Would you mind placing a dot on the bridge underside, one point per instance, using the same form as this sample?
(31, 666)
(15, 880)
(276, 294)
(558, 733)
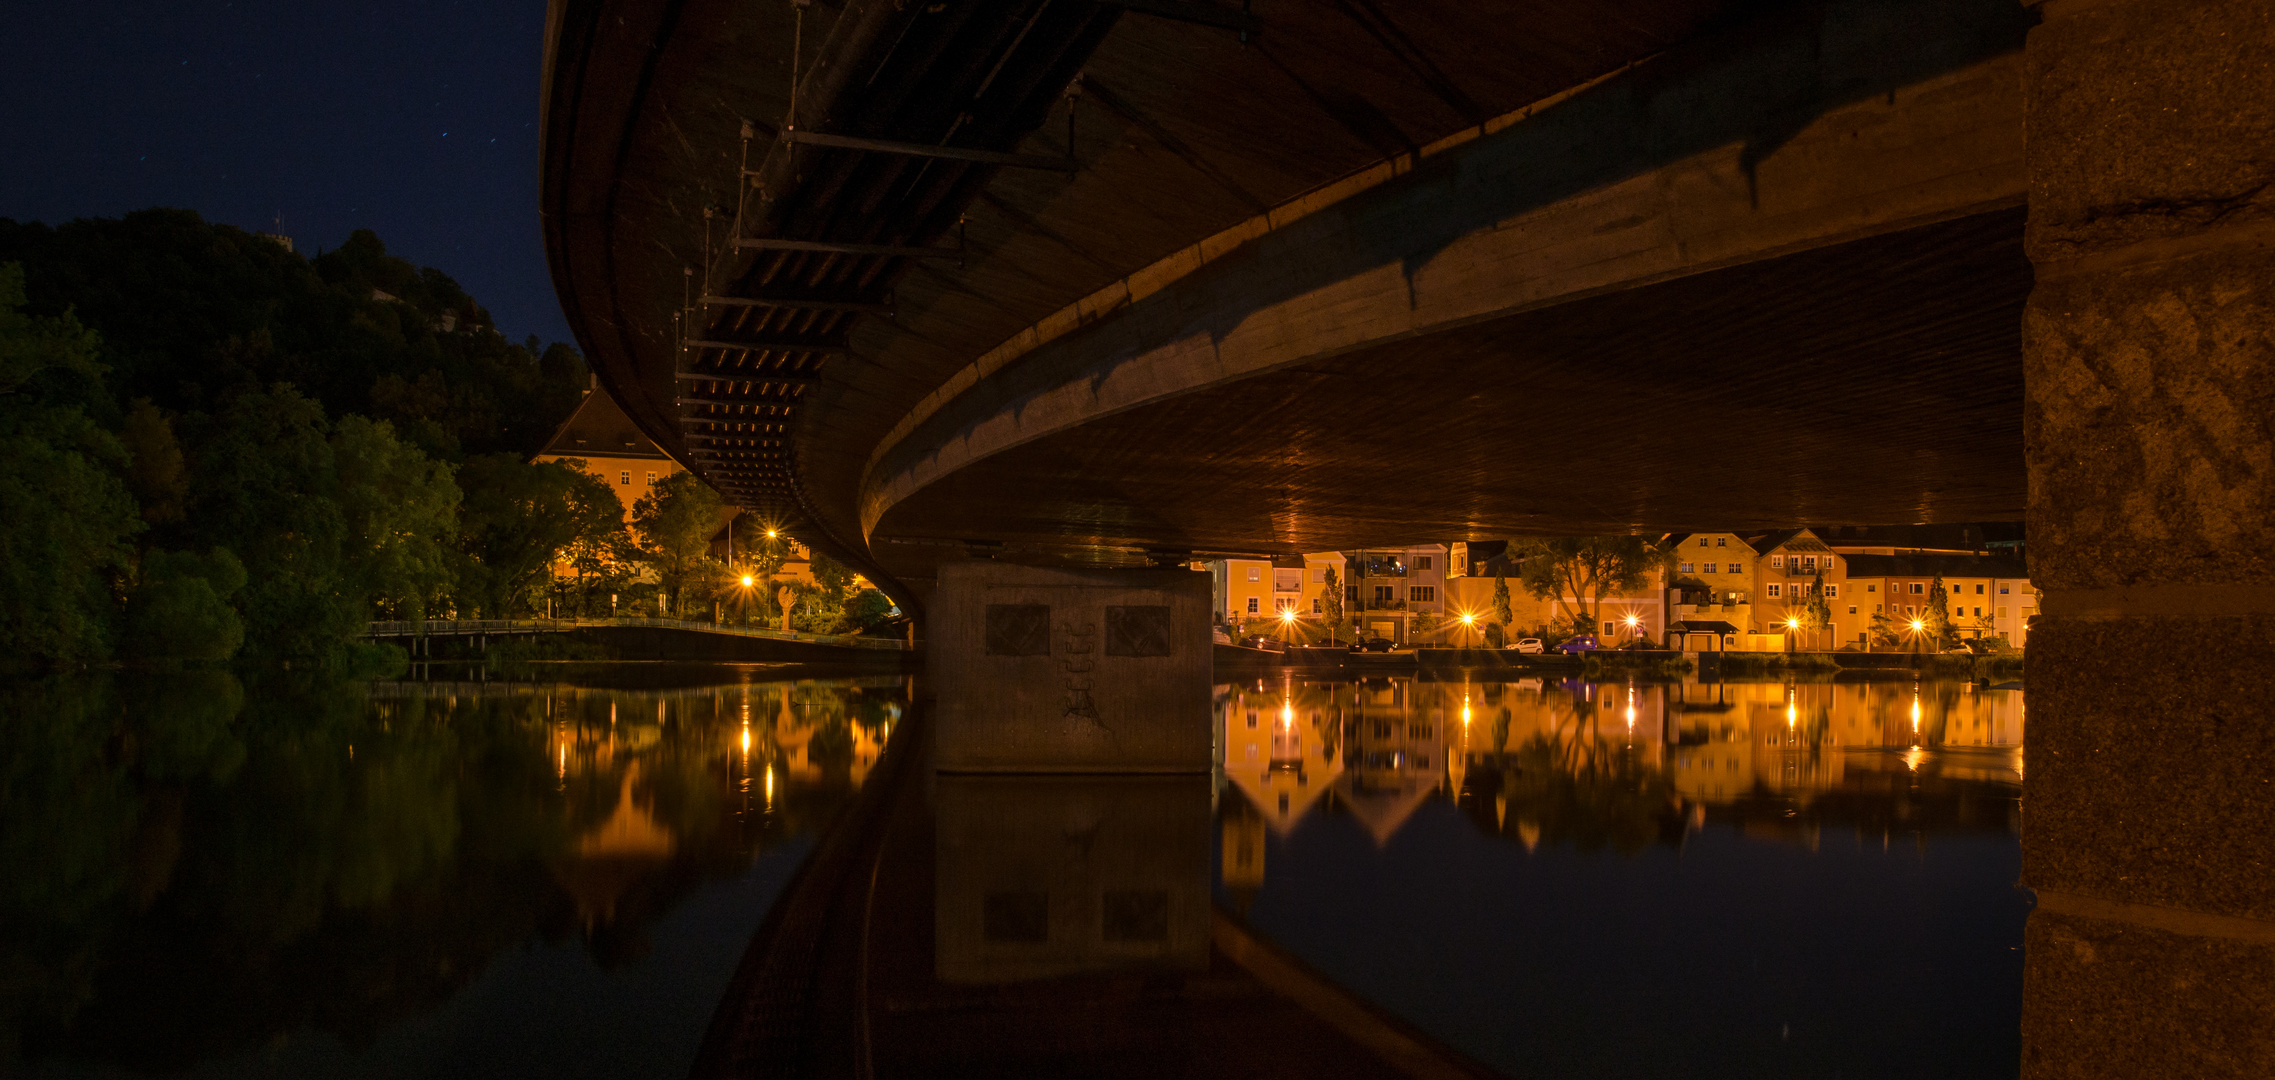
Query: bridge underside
(1872, 381)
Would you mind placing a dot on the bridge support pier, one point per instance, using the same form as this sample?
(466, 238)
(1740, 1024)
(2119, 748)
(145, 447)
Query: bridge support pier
(2149, 352)
(1072, 734)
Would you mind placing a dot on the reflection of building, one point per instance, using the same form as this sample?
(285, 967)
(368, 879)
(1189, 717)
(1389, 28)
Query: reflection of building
(1282, 748)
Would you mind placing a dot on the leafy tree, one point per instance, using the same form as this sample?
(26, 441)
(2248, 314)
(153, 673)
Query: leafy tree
(1424, 626)
(158, 474)
(180, 609)
(1816, 615)
(267, 488)
(1331, 605)
(68, 517)
(674, 523)
(1937, 616)
(867, 608)
(400, 508)
(519, 519)
(1578, 572)
(1503, 613)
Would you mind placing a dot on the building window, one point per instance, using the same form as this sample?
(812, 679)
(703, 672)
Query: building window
(1852, 609)
(1709, 568)
(1774, 589)
(1978, 588)
(1423, 593)
(1777, 562)
(2002, 590)
(1350, 594)
(1918, 588)
(1286, 603)
(1910, 610)
(1832, 591)
(1383, 594)
(625, 478)
(1702, 541)
(1872, 588)
(1254, 604)
(1684, 569)
(2002, 613)
(1255, 573)
(1808, 562)
(1421, 562)
(1610, 627)
(1721, 541)
(651, 479)
(1318, 606)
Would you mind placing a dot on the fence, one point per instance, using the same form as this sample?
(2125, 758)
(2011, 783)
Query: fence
(461, 627)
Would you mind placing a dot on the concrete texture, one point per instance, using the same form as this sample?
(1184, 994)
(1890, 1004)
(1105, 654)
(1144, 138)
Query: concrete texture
(2148, 120)
(2150, 810)
(2151, 422)
(1045, 670)
(2152, 762)
(1041, 877)
(2108, 998)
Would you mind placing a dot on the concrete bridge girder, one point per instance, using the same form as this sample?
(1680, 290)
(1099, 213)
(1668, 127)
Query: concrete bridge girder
(1555, 204)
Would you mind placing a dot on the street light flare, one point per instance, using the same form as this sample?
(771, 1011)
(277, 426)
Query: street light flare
(748, 581)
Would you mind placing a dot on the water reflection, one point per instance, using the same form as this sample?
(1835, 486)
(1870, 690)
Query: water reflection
(199, 867)
(1603, 878)
(1619, 764)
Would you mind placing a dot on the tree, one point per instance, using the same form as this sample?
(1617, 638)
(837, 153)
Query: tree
(180, 609)
(519, 519)
(401, 512)
(1331, 605)
(1578, 572)
(1816, 614)
(68, 518)
(1936, 619)
(673, 524)
(1503, 613)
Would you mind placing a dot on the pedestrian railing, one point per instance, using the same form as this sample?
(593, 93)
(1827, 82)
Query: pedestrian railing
(398, 628)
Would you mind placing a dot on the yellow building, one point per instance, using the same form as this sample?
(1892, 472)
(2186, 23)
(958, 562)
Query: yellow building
(1787, 563)
(1987, 596)
(610, 446)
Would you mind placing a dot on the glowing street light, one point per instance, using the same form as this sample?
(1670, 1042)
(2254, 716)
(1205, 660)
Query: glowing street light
(748, 581)
(771, 534)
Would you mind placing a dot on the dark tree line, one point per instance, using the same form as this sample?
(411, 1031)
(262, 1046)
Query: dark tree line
(209, 442)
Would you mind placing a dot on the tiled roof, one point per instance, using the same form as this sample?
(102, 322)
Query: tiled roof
(1932, 565)
(599, 428)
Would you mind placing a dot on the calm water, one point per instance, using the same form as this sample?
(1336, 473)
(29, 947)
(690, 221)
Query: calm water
(1650, 880)
(212, 877)
(219, 878)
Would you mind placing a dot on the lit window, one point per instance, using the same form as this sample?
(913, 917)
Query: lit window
(625, 478)
(1254, 605)
(1774, 589)
(1255, 573)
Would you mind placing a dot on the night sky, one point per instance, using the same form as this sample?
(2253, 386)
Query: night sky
(416, 120)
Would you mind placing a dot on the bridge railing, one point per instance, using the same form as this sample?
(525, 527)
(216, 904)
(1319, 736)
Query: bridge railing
(400, 628)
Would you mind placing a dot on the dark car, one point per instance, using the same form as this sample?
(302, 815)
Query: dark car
(1375, 645)
(1573, 646)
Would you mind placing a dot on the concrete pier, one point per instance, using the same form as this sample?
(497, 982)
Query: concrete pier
(1065, 671)
(2149, 834)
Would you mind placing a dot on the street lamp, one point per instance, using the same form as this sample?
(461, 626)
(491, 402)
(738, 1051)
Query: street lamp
(748, 581)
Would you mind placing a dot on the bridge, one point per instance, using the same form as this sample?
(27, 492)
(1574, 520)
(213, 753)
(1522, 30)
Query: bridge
(1126, 282)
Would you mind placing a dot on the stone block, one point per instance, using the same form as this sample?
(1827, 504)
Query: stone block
(1041, 876)
(2151, 774)
(1051, 670)
(2149, 423)
(2116, 1000)
(2148, 120)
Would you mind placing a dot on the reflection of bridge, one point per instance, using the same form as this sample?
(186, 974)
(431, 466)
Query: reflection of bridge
(1337, 276)
(646, 638)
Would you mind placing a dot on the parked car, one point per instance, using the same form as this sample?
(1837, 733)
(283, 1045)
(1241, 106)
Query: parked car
(1375, 645)
(1529, 646)
(1577, 644)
